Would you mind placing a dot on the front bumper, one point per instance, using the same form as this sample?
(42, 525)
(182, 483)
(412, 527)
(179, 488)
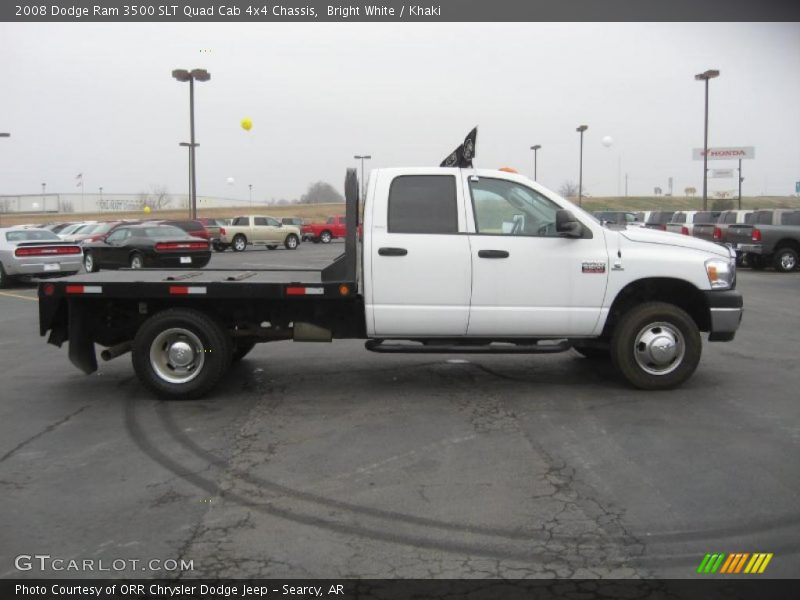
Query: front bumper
(725, 311)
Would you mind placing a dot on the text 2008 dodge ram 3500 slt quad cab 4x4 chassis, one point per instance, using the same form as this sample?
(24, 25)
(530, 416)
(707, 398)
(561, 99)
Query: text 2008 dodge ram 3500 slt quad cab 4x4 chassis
(453, 261)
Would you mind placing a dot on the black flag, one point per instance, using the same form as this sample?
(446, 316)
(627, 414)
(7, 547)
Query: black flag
(463, 155)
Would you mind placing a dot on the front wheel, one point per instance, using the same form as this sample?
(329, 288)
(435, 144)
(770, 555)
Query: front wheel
(785, 260)
(656, 346)
(181, 353)
(3, 277)
(239, 243)
(325, 237)
(137, 261)
(290, 243)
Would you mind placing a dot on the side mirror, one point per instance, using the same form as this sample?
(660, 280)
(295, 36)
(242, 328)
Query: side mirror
(567, 225)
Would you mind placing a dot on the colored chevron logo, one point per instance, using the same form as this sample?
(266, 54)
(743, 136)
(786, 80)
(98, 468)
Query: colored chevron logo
(742, 562)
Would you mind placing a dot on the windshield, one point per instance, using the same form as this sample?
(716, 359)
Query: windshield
(29, 235)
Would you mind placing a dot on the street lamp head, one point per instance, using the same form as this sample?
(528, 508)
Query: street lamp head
(200, 75)
(536, 147)
(706, 75)
(188, 144)
(181, 74)
(364, 157)
(582, 128)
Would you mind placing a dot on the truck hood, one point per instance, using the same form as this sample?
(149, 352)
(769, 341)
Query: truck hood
(654, 236)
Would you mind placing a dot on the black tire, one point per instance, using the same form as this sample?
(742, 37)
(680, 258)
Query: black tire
(241, 350)
(212, 345)
(272, 246)
(593, 353)
(136, 259)
(315, 240)
(291, 242)
(219, 247)
(239, 243)
(740, 260)
(89, 263)
(325, 237)
(785, 260)
(661, 323)
(4, 279)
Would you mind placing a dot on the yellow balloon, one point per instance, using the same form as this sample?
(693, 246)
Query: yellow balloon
(247, 124)
(147, 210)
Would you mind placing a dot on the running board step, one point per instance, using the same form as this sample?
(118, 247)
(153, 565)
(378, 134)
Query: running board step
(494, 348)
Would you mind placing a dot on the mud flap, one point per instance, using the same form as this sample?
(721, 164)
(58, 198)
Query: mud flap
(81, 344)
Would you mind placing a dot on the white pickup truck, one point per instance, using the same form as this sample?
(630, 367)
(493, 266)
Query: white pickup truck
(452, 261)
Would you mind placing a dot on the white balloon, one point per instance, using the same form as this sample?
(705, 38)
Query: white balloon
(230, 180)
(607, 141)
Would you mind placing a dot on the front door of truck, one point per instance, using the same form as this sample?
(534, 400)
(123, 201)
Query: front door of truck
(419, 272)
(527, 280)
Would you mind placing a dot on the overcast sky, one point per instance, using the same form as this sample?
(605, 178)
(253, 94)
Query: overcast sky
(99, 99)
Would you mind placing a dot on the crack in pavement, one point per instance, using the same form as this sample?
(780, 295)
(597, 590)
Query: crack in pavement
(44, 431)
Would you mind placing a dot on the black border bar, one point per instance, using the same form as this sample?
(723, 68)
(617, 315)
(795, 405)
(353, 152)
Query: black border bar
(418, 11)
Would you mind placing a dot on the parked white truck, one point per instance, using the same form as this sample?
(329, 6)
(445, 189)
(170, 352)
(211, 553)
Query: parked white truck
(452, 261)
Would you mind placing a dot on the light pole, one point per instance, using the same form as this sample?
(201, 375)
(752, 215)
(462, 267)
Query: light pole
(250, 187)
(362, 158)
(191, 76)
(706, 76)
(191, 146)
(580, 130)
(741, 179)
(535, 152)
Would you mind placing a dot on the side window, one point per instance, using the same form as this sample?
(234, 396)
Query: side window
(118, 235)
(241, 222)
(423, 204)
(272, 222)
(260, 221)
(506, 208)
(792, 218)
(750, 218)
(331, 220)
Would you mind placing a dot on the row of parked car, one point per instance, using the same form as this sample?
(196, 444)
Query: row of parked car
(761, 238)
(58, 249)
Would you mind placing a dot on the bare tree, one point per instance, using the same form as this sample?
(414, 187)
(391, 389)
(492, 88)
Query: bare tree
(321, 192)
(569, 189)
(157, 198)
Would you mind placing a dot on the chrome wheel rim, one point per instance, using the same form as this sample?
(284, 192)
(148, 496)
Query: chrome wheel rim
(177, 355)
(788, 261)
(88, 262)
(291, 242)
(659, 348)
(136, 262)
(326, 237)
(239, 244)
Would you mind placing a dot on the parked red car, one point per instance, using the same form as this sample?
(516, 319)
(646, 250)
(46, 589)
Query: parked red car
(334, 227)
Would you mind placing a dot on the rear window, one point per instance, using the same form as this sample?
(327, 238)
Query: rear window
(30, 235)
(705, 217)
(679, 217)
(728, 218)
(423, 204)
(764, 217)
(164, 231)
(792, 218)
(660, 217)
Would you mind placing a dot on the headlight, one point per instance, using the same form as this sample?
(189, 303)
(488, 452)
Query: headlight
(721, 273)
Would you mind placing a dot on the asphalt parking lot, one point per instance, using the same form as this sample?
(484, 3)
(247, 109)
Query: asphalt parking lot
(317, 460)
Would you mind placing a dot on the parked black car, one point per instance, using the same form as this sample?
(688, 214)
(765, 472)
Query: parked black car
(146, 245)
